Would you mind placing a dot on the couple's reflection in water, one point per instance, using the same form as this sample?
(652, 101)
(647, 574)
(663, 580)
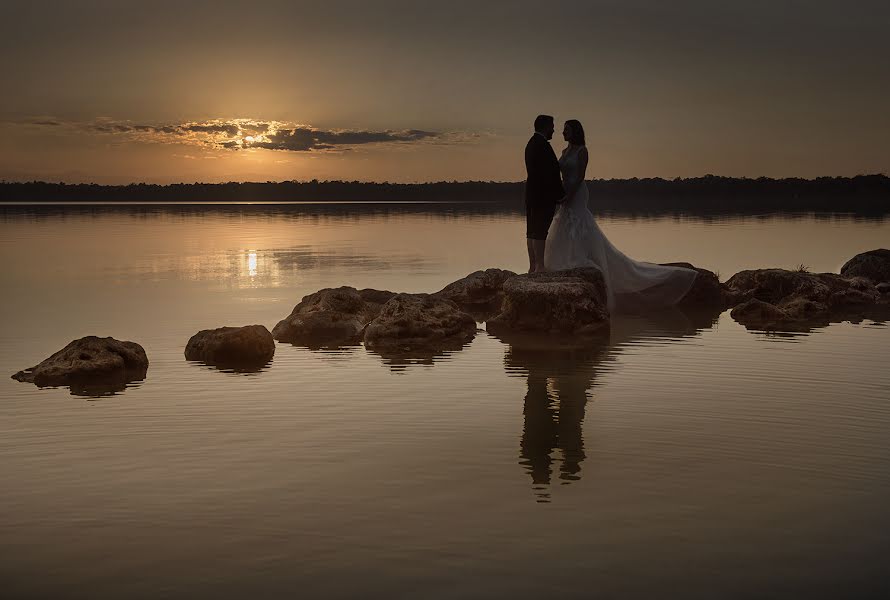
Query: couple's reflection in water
(560, 377)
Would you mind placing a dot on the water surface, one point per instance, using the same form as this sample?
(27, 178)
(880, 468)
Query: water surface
(684, 454)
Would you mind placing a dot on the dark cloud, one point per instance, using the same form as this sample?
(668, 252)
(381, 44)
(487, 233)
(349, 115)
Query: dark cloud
(111, 128)
(226, 128)
(254, 128)
(301, 139)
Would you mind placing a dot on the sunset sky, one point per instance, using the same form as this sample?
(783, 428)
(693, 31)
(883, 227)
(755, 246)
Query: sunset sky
(125, 91)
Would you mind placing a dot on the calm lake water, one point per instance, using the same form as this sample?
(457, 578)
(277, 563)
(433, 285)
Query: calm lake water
(682, 459)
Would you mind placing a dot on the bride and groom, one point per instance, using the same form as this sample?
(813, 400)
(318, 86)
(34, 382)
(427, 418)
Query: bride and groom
(562, 233)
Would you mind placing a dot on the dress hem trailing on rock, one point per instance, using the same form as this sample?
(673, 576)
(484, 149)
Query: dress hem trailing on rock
(575, 240)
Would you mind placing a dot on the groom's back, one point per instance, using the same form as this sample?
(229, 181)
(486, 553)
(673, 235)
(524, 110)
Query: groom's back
(542, 182)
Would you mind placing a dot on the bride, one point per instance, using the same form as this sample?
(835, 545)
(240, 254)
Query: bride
(575, 240)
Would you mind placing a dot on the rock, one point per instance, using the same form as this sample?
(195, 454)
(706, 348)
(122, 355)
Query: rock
(480, 293)
(706, 291)
(883, 288)
(419, 325)
(798, 300)
(874, 265)
(331, 317)
(249, 346)
(90, 364)
(559, 302)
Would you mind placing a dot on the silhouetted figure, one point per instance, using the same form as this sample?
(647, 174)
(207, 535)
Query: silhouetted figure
(575, 240)
(543, 190)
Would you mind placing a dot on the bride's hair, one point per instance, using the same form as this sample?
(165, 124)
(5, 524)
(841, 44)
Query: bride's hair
(577, 132)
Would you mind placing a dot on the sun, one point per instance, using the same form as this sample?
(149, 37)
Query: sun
(249, 138)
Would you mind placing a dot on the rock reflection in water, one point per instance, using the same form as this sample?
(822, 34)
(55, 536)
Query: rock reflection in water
(560, 373)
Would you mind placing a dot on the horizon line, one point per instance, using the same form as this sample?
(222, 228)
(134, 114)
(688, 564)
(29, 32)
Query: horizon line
(439, 182)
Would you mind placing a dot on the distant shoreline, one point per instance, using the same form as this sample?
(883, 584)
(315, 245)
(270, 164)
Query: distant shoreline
(863, 193)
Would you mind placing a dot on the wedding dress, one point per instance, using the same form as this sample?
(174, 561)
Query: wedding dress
(575, 240)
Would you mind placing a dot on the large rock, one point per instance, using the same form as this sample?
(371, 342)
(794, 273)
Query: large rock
(560, 302)
(874, 265)
(480, 293)
(706, 291)
(798, 300)
(249, 346)
(331, 317)
(90, 363)
(419, 325)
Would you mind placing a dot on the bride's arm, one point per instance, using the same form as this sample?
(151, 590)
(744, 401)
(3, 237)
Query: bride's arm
(582, 170)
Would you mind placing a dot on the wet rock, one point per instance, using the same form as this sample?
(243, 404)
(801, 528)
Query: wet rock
(798, 300)
(90, 363)
(419, 326)
(480, 293)
(706, 291)
(761, 315)
(874, 265)
(249, 346)
(560, 302)
(331, 317)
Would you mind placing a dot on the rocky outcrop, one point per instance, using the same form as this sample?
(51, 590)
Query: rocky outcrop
(91, 363)
(706, 292)
(419, 325)
(479, 294)
(560, 302)
(873, 265)
(249, 346)
(331, 317)
(798, 300)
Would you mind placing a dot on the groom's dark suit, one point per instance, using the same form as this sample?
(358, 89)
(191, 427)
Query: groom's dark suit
(543, 188)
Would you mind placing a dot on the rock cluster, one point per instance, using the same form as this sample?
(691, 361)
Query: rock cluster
(331, 317)
(570, 304)
(778, 299)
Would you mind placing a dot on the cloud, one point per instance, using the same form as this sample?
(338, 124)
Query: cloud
(303, 139)
(245, 134)
(226, 128)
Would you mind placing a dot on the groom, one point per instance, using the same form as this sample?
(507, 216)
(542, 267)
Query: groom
(543, 190)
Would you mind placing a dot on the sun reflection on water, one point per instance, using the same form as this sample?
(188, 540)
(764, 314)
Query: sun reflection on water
(251, 264)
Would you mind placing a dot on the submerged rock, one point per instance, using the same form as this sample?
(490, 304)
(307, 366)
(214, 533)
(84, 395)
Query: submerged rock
(331, 317)
(90, 363)
(874, 265)
(798, 300)
(560, 302)
(480, 293)
(248, 346)
(419, 325)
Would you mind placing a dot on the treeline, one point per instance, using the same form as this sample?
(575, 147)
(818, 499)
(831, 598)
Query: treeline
(863, 193)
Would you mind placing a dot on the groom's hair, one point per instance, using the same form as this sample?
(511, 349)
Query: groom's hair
(542, 121)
